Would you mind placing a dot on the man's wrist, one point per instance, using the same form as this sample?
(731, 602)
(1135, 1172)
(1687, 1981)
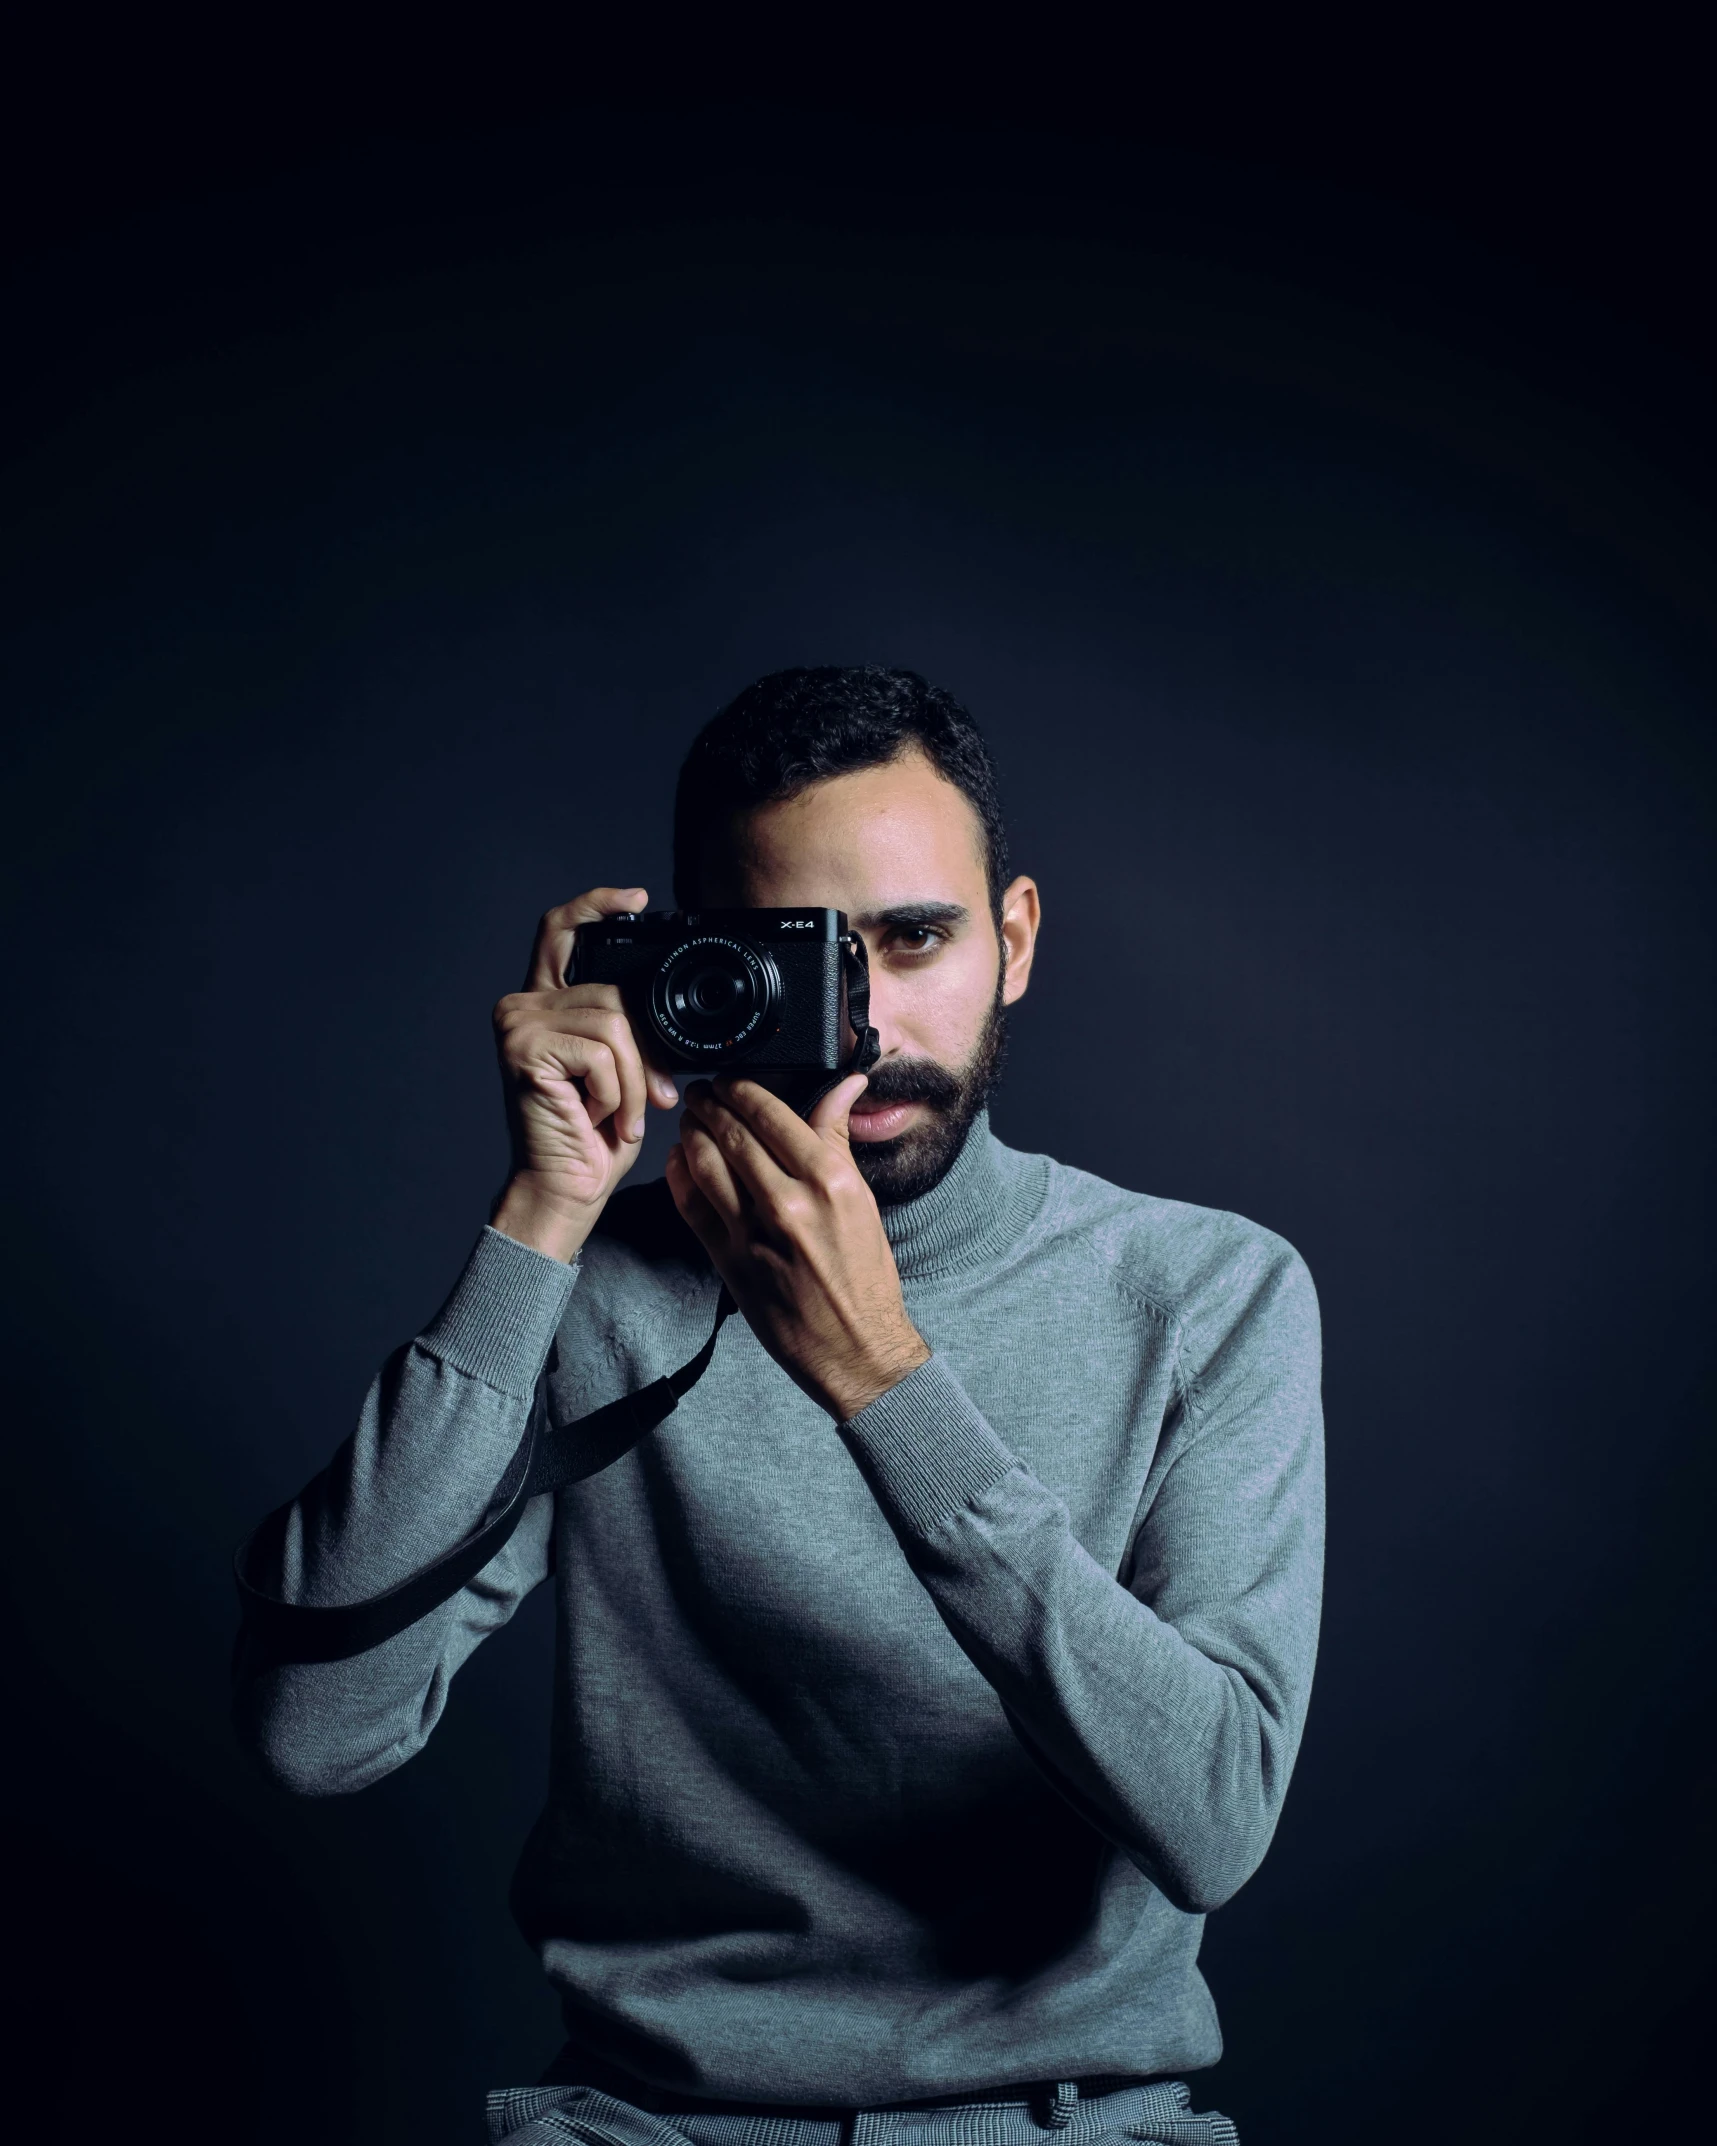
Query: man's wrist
(855, 1387)
(533, 1216)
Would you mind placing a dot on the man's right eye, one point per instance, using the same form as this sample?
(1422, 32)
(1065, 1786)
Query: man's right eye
(913, 939)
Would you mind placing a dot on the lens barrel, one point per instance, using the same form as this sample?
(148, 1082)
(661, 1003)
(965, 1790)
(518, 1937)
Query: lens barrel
(715, 996)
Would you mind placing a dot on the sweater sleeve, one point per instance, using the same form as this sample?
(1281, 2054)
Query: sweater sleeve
(439, 1425)
(1168, 1709)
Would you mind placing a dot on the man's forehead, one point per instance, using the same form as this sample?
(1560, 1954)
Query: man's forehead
(890, 837)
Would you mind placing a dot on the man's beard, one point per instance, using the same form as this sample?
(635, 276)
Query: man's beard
(908, 1167)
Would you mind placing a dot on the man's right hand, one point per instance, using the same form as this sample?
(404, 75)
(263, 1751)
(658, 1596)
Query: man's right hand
(576, 1086)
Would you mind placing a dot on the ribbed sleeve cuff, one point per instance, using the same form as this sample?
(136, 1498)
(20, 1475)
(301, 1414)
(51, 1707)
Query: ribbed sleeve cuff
(926, 1448)
(502, 1315)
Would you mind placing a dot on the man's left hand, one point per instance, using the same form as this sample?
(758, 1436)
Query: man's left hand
(794, 1231)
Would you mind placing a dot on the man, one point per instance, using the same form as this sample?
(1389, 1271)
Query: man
(926, 1678)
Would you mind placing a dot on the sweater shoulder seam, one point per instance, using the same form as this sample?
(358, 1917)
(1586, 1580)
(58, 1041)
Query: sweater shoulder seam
(1171, 1319)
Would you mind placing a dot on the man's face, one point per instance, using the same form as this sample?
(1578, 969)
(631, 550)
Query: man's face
(901, 851)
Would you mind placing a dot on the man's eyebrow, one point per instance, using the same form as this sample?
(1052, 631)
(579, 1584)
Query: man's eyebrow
(908, 916)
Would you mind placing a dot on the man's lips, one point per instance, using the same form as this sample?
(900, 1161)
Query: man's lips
(881, 1121)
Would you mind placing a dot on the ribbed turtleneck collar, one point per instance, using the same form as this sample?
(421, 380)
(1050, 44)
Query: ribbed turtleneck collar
(981, 1207)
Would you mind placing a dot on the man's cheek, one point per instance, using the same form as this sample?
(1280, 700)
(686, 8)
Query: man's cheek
(962, 1027)
(945, 1023)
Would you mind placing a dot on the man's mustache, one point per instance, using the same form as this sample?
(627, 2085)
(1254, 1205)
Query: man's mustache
(912, 1080)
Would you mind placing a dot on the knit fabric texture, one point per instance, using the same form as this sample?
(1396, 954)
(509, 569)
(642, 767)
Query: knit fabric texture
(894, 1759)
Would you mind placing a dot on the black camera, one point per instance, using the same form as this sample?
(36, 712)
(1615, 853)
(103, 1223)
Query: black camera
(781, 995)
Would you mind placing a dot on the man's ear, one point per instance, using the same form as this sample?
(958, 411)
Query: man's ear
(1021, 915)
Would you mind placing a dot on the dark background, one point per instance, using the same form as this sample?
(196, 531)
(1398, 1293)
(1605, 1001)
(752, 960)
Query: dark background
(1300, 458)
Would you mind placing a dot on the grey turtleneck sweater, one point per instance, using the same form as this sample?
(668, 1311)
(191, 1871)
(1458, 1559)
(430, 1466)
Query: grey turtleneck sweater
(895, 1758)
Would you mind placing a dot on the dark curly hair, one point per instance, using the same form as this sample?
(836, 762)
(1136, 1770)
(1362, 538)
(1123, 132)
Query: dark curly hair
(799, 727)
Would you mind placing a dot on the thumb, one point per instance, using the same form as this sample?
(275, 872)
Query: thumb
(829, 1119)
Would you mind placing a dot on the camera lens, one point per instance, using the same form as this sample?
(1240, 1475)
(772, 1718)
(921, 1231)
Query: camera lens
(713, 997)
(709, 993)
(714, 993)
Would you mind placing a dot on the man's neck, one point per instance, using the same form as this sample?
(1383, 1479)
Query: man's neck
(967, 1218)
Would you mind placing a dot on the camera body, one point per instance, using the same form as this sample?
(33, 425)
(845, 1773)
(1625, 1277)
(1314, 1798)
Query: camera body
(782, 995)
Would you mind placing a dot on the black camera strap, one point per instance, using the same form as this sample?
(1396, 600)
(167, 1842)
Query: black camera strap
(275, 1632)
(867, 1044)
(806, 1090)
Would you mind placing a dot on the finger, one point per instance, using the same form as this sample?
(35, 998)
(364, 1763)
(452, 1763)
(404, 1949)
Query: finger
(615, 1031)
(710, 1173)
(695, 1211)
(534, 1034)
(829, 1121)
(590, 1062)
(595, 1010)
(776, 1126)
(752, 1165)
(553, 949)
(659, 1086)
